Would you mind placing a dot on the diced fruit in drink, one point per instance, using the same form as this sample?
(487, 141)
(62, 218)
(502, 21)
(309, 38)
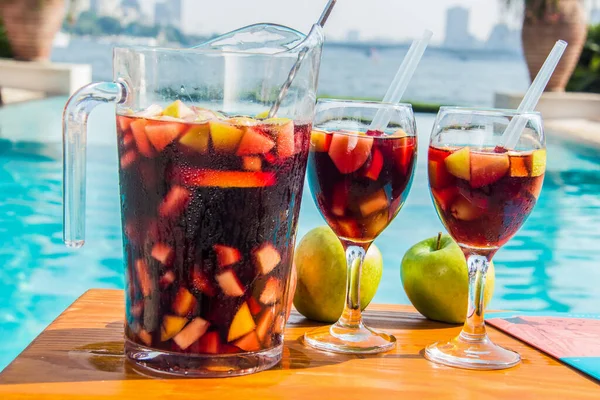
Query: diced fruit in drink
(229, 349)
(145, 337)
(197, 138)
(464, 210)
(128, 139)
(230, 284)
(174, 202)
(518, 166)
(349, 152)
(445, 197)
(458, 163)
(226, 255)
(162, 253)
(284, 135)
(138, 129)
(161, 134)
(262, 115)
(123, 122)
(254, 305)
(377, 224)
(225, 179)
(143, 276)
(248, 342)
(171, 326)
(279, 324)
(373, 203)
(153, 111)
(203, 114)
(254, 142)
(375, 165)
(137, 308)
(399, 133)
(475, 196)
(128, 159)
(348, 228)
(272, 291)
(167, 279)
(264, 323)
(243, 121)
(252, 163)
(192, 332)
(209, 343)
(201, 282)
(266, 258)
(339, 199)
(487, 168)
(536, 187)
(439, 177)
(184, 302)
(179, 110)
(320, 141)
(225, 137)
(404, 153)
(538, 162)
(270, 158)
(242, 323)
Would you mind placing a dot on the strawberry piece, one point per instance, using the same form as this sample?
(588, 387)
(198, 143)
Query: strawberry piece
(145, 337)
(138, 129)
(123, 122)
(285, 140)
(254, 142)
(349, 152)
(264, 323)
(161, 134)
(266, 258)
(252, 163)
(162, 253)
(242, 323)
(439, 177)
(248, 342)
(254, 305)
(404, 153)
(348, 228)
(320, 141)
(201, 282)
(373, 203)
(209, 343)
(174, 202)
(225, 179)
(226, 255)
(167, 279)
(128, 159)
(192, 332)
(444, 197)
(272, 291)
(230, 284)
(339, 199)
(184, 302)
(374, 167)
(143, 276)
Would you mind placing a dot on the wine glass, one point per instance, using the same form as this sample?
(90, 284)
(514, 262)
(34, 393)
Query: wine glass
(359, 178)
(483, 193)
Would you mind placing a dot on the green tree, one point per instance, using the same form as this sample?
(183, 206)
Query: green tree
(109, 25)
(586, 77)
(4, 45)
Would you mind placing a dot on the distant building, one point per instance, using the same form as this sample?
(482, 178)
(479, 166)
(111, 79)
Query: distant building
(457, 29)
(503, 38)
(168, 12)
(353, 36)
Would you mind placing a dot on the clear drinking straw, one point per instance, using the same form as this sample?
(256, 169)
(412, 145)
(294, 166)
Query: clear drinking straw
(517, 124)
(401, 80)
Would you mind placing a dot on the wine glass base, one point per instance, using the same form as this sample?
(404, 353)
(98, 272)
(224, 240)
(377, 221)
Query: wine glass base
(481, 354)
(338, 339)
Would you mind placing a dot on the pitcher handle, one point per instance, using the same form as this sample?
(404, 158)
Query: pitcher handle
(75, 116)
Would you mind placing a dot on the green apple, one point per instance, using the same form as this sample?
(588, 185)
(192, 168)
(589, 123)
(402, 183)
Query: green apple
(321, 266)
(435, 279)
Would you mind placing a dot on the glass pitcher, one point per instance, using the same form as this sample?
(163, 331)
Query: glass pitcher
(210, 193)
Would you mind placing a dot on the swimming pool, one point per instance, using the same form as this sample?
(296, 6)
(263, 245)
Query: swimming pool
(552, 263)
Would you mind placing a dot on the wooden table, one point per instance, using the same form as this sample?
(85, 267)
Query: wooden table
(80, 355)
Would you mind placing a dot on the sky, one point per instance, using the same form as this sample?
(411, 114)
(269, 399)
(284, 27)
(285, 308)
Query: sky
(393, 19)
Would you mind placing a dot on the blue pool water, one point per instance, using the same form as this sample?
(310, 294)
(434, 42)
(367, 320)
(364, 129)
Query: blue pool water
(552, 264)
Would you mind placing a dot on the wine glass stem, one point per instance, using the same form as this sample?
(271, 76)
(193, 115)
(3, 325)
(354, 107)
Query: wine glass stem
(351, 316)
(474, 328)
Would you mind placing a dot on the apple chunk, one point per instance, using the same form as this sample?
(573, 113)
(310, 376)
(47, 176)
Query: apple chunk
(254, 142)
(464, 210)
(458, 163)
(143, 275)
(197, 138)
(138, 129)
(192, 332)
(161, 134)
(171, 326)
(178, 109)
(374, 202)
(264, 323)
(242, 323)
(225, 137)
(349, 152)
(272, 291)
(439, 177)
(184, 302)
(174, 202)
(226, 255)
(487, 168)
(230, 284)
(266, 258)
(162, 253)
(320, 141)
(201, 283)
(248, 342)
(537, 165)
